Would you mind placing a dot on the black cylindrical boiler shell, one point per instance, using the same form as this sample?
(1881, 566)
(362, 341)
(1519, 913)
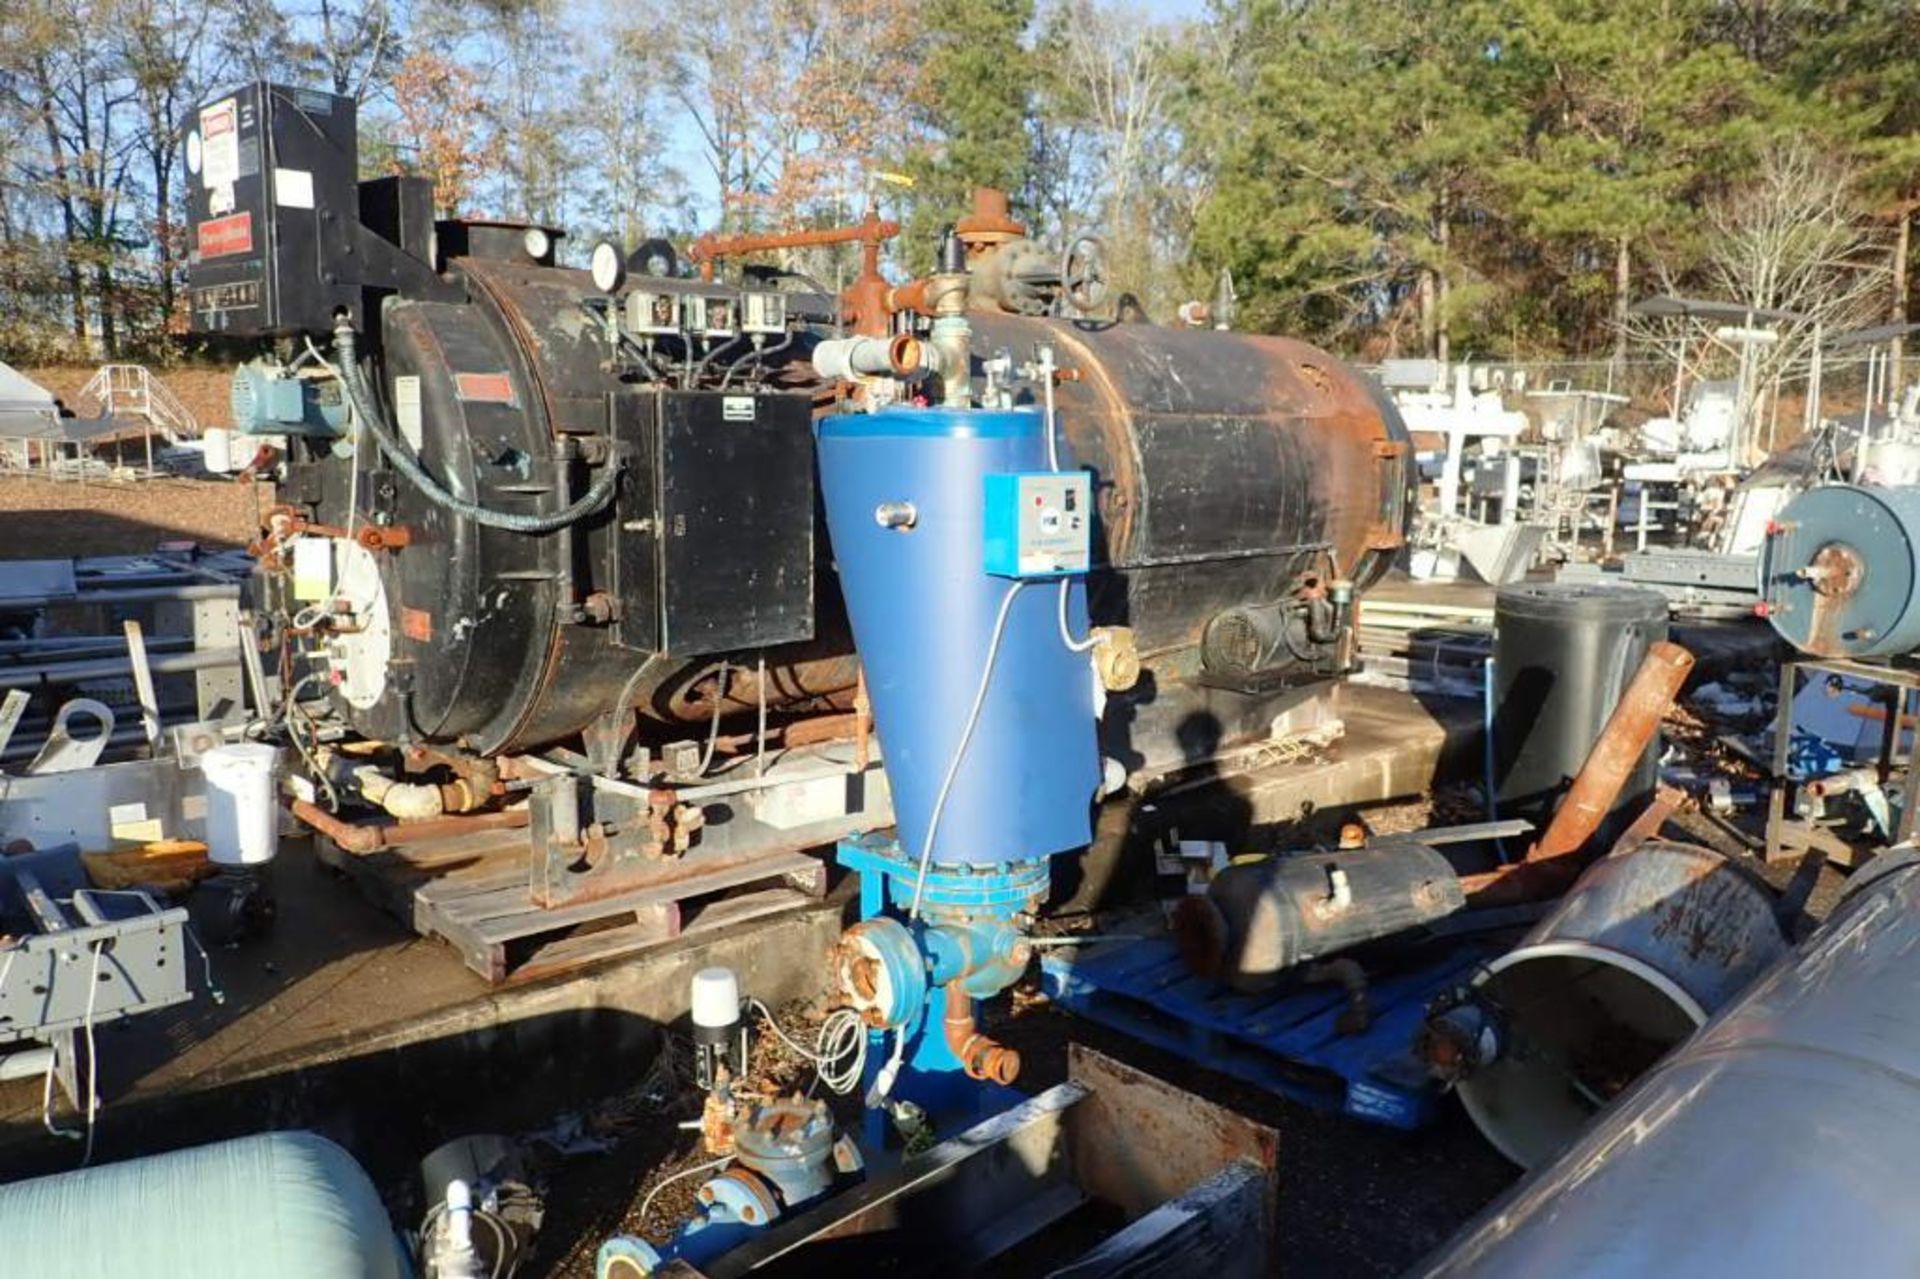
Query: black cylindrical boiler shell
(1562, 655)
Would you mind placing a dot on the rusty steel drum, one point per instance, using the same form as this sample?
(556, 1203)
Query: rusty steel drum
(1648, 944)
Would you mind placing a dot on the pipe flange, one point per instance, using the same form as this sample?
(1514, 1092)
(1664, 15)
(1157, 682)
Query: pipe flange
(880, 973)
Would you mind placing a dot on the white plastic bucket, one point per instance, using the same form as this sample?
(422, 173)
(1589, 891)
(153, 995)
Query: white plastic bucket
(241, 830)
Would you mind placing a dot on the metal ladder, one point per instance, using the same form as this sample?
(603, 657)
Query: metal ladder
(131, 390)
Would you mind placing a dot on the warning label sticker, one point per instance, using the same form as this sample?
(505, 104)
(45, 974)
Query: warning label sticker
(220, 144)
(484, 388)
(224, 237)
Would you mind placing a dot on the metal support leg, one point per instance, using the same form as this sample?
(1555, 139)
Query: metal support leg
(1910, 786)
(1782, 748)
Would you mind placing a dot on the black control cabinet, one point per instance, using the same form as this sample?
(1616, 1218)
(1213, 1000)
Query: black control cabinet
(273, 211)
(714, 548)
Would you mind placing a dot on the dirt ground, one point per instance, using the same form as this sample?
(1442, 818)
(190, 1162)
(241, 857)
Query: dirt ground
(42, 519)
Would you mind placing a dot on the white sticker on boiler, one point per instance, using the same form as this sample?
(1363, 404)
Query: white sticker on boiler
(406, 409)
(737, 408)
(220, 144)
(293, 188)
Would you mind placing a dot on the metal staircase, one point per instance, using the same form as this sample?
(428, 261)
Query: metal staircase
(132, 391)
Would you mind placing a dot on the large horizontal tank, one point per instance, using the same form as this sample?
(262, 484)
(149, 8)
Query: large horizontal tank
(1781, 1140)
(1229, 467)
(1247, 488)
(643, 447)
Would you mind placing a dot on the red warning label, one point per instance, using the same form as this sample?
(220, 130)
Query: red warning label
(224, 237)
(486, 388)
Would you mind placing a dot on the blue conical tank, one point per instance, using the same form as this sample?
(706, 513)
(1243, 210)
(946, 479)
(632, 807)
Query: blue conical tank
(923, 610)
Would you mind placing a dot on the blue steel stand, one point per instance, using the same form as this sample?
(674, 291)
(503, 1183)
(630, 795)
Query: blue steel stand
(967, 934)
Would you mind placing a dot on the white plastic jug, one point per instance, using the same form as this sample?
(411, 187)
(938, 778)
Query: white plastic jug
(241, 830)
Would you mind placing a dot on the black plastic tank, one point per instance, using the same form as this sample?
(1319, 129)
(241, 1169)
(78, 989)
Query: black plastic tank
(1562, 655)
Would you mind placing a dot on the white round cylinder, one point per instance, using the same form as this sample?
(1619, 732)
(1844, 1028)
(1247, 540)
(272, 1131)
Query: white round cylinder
(716, 998)
(241, 826)
(216, 443)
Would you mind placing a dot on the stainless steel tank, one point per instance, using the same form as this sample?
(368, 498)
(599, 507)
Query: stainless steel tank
(1782, 1140)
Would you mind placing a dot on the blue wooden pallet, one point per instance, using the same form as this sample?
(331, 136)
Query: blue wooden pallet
(1284, 1041)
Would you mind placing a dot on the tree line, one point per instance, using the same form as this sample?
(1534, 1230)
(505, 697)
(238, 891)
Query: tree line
(1485, 178)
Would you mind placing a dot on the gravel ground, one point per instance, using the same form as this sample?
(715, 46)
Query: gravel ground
(1356, 1201)
(41, 519)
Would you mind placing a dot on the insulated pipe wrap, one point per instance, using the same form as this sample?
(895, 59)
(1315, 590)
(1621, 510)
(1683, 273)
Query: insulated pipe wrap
(292, 1205)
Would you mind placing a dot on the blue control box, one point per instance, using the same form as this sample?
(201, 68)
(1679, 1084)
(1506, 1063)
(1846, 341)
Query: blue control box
(1039, 523)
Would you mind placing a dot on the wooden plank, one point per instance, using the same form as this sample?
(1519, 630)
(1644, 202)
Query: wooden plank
(491, 921)
(571, 953)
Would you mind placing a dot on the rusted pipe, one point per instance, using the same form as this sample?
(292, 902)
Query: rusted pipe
(981, 1057)
(1526, 881)
(371, 837)
(870, 231)
(862, 722)
(1617, 752)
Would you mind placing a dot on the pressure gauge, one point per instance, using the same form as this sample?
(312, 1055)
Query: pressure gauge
(537, 243)
(712, 317)
(608, 266)
(655, 313)
(763, 313)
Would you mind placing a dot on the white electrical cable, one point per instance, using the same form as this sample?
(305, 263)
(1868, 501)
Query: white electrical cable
(806, 1054)
(839, 1054)
(1053, 464)
(684, 1173)
(93, 1060)
(960, 751)
(713, 729)
(46, 1100)
(1066, 632)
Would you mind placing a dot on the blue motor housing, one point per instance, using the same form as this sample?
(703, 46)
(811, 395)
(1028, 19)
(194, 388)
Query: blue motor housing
(268, 399)
(905, 495)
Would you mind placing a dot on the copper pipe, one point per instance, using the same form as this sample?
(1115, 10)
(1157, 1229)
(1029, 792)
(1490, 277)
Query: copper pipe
(911, 296)
(1878, 714)
(1617, 752)
(982, 1058)
(862, 722)
(813, 731)
(371, 837)
(821, 728)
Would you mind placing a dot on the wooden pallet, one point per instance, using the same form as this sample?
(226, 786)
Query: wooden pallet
(1284, 1040)
(473, 894)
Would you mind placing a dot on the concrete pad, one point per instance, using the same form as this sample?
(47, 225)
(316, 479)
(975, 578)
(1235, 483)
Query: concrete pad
(342, 1020)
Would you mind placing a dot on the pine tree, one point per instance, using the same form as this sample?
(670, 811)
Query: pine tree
(1633, 114)
(1352, 140)
(976, 88)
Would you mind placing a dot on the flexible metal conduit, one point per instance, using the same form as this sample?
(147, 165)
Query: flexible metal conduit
(1783, 1139)
(368, 410)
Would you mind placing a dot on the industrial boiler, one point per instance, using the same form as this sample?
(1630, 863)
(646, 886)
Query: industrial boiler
(554, 534)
